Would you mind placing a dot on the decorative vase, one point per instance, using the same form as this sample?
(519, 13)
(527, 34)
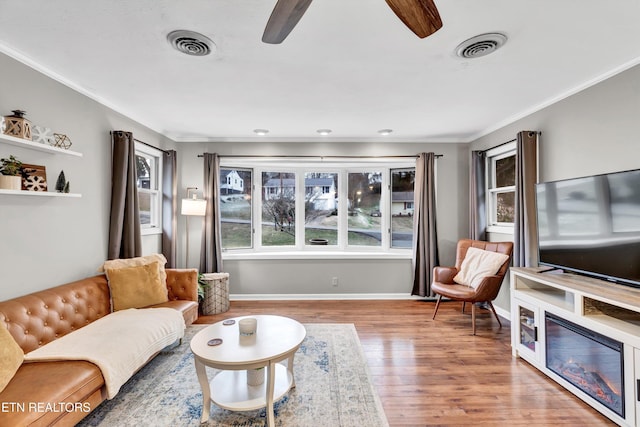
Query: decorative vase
(255, 376)
(16, 125)
(10, 182)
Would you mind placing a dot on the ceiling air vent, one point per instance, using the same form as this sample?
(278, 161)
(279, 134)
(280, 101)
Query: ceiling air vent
(190, 42)
(481, 45)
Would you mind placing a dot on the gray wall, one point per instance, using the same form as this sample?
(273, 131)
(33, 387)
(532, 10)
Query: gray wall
(47, 241)
(594, 131)
(313, 276)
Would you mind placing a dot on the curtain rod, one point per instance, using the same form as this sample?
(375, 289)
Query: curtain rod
(508, 142)
(147, 144)
(321, 157)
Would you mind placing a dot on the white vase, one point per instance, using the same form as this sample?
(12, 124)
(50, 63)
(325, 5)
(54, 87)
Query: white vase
(8, 182)
(255, 376)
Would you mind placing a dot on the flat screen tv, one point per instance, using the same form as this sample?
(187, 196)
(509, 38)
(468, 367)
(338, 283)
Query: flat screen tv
(591, 226)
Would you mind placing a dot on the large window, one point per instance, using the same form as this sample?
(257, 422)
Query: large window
(316, 206)
(501, 187)
(149, 178)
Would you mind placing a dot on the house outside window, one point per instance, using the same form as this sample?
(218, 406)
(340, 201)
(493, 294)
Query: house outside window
(501, 188)
(315, 206)
(149, 178)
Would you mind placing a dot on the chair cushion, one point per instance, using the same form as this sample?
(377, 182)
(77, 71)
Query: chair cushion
(136, 287)
(477, 264)
(11, 355)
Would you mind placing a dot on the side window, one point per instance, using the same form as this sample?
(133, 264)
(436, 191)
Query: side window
(501, 186)
(278, 209)
(149, 177)
(236, 207)
(365, 213)
(402, 185)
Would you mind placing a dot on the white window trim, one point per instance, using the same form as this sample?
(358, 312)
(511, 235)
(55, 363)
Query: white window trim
(301, 249)
(491, 156)
(155, 228)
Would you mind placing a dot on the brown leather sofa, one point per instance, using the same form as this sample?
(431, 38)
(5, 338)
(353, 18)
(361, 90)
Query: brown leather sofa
(62, 393)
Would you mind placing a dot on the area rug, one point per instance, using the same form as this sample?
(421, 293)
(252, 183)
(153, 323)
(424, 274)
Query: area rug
(333, 388)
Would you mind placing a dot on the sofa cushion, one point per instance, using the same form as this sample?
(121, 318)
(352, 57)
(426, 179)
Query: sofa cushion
(132, 262)
(477, 264)
(11, 355)
(136, 287)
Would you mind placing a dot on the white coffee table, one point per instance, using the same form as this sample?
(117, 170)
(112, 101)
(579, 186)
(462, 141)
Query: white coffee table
(277, 339)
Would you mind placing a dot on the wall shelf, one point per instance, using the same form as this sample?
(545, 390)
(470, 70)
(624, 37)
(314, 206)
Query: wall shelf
(38, 193)
(24, 143)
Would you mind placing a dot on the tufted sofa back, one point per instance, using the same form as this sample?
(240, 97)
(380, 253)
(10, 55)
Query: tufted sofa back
(41, 317)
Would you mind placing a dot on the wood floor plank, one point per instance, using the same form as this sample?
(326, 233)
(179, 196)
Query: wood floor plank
(434, 372)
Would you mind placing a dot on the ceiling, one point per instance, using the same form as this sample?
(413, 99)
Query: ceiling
(350, 65)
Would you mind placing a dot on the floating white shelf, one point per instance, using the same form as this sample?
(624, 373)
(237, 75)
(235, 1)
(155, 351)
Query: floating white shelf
(25, 143)
(38, 193)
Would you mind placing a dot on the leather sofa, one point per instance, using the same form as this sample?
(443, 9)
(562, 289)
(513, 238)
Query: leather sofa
(61, 393)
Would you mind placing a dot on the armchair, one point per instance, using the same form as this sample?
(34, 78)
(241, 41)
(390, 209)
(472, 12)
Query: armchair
(483, 287)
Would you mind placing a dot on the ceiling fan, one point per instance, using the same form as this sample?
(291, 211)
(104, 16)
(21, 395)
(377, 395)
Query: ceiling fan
(421, 16)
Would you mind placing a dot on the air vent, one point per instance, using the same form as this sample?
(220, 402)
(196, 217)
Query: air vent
(481, 45)
(191, 43)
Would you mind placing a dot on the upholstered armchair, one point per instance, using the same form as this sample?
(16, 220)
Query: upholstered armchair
(474, 278)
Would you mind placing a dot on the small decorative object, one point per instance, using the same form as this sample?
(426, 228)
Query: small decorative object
(214, 342)
(3, 124)
(17, 125)
(10, 173)
(248, 326)
(66, 188)
(229, 322)
(61, 183)
(34, 178)
(42, 134)
(255, 376)
(61, 141)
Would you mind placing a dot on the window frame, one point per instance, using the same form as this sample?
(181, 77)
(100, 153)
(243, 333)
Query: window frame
(155, 190)
(299, 168)
(491, 190)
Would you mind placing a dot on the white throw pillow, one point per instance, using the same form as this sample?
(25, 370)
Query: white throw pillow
(477, 264)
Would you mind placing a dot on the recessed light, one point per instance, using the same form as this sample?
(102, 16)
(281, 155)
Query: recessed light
(385, 132)
(324, 131)
(261, 131)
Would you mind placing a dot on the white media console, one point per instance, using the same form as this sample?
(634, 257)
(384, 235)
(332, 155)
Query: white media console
(608, 309)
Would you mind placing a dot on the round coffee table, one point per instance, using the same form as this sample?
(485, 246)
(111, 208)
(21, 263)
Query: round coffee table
(276, 339)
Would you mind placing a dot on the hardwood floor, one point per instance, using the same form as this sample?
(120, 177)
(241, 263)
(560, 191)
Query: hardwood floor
(434, 372)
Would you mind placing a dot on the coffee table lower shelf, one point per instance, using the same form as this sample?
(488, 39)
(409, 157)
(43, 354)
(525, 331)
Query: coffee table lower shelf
(229, 389)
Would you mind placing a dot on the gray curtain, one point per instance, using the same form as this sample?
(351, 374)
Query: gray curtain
(169, 207)
(211, 250)
(425, 241)
(477, 197)
(124, 224)
(525, 225)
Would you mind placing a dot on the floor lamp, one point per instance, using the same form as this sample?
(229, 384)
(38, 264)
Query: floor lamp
(191, 206)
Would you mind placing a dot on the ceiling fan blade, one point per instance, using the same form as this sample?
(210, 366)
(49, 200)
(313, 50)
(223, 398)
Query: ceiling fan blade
(421, 16)
(283, 19)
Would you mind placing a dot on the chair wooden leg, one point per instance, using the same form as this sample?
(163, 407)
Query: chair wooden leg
(494, 313)
(473, 318)
(464, 303)
(437, 305)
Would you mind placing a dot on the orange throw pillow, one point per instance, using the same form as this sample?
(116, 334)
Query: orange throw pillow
(136, 287)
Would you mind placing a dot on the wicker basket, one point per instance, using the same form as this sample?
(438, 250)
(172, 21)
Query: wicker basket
(216, 295)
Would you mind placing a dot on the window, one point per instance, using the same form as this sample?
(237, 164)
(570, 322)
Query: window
(501, 187)
(236, 208)
(149, 177)
(316, 206)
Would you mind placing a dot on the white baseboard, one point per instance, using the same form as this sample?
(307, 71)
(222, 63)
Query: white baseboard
(276, 297)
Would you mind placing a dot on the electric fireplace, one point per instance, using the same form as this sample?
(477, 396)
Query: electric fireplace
(590, 361)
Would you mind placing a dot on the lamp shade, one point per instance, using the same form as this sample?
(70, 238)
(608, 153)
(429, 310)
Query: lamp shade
(193, 207)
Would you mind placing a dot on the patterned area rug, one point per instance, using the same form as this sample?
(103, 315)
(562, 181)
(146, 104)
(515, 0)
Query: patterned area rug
(333, 388)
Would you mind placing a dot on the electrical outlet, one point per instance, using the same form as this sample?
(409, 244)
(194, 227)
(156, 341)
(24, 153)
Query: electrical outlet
(334, 281)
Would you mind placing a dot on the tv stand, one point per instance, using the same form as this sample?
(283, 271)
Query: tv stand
(550, 270)
(607, 308)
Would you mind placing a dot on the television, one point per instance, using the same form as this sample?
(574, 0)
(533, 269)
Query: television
(591, 226)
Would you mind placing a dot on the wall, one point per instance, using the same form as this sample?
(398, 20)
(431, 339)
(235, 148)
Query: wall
(47, 241)
(594, 131)
(312, 277)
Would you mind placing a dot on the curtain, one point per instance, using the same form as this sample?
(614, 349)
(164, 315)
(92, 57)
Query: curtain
(211, 248)
(124, 224)
(169, 207)
(525, 224)
(425, 244)
(477, 196)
